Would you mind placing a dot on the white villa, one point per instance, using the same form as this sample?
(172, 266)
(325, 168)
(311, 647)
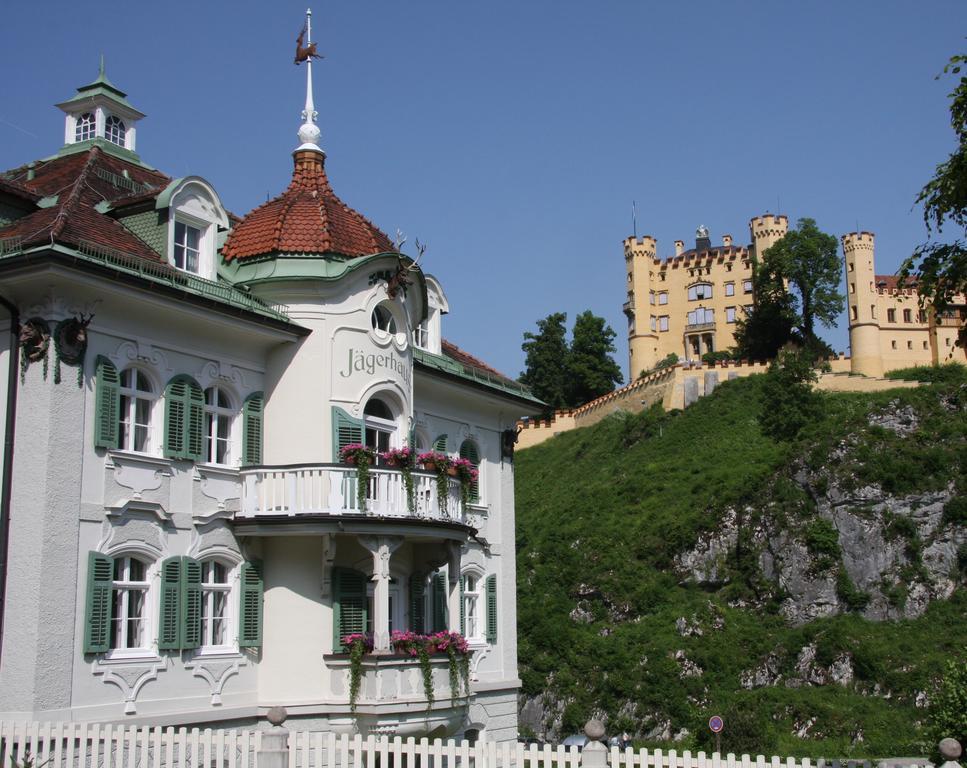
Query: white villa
(180, 541)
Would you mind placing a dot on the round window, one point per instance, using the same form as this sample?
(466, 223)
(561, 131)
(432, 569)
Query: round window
(383, 320)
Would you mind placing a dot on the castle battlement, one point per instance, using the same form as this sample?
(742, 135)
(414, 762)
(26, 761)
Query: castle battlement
(769, 224)
(854, 241)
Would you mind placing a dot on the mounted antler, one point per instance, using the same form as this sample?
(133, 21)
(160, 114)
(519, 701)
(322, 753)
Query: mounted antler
(401, 278)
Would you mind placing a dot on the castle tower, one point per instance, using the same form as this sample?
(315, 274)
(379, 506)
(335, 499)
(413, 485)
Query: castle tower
(864, 326)
(766, 231)
(640, 261)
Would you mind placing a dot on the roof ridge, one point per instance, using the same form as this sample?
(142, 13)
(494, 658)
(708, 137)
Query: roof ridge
(60, 220)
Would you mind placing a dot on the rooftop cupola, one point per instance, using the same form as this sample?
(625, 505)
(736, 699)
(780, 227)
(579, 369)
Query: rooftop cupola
(100, 114)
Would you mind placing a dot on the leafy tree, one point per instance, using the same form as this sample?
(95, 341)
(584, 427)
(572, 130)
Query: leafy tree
(546, 360)
(760, 334)
(788, 399)
(593, 372)
(941, 268)
(566, 376)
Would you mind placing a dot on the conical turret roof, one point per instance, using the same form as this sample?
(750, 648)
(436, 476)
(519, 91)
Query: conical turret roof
(307, 219)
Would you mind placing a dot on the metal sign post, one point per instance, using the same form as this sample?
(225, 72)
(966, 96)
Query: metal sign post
(716, 725)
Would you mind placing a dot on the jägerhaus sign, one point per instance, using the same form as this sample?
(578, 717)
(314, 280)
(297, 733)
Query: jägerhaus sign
(357, 359)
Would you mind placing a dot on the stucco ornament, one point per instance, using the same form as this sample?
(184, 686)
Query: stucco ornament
(129, 677)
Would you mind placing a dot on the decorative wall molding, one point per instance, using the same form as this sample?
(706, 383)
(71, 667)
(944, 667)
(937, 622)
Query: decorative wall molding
(142, 352)
(138, 472)
(218, 483)
(129, 676)
(215, 671)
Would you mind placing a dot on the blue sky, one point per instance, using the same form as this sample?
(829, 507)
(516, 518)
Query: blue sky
(513, 136)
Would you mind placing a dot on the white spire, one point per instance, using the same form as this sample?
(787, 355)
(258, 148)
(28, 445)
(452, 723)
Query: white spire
(309, 132)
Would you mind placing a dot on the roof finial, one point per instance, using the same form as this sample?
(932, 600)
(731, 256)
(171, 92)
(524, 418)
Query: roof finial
(305, 50)
(100, 72)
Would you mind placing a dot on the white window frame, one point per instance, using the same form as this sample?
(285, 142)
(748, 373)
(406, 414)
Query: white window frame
(730, 314)
(215, 417)
(131, 395)
(730, 289)
(663, 323)
(379, 426)
(85, 129)
(122, 589)
(663, 298)
(210, 590)
(747, 286)
(472, 603)
(189, 225)
(115, 131)
(700, 291)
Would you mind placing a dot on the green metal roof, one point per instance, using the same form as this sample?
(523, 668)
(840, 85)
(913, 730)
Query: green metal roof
(473, 374)
(102, 87)
(155, 272)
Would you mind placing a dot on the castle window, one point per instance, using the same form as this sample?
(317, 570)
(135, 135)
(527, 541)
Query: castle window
(84, 128)
(893, 344)
(907, 316)
(922, 316)
(730, 289)
(873, 311)
(663, 323)
(700, 291)
(747, 286)
(663, 297)
(114, 130)
(909, 345)
(852, 313)
(701, 316)
(852, 287)
(852, 266)
(946, 342)
(924, 345)
(651, 297)
(730, 314)
(891, 315)
(654, 322)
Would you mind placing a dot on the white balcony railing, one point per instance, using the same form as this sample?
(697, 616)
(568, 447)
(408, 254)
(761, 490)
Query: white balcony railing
(330, 489)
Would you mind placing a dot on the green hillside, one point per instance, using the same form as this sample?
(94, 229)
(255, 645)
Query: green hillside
(612, 623)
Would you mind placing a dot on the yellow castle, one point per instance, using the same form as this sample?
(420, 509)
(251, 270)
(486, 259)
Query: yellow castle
(688, 304)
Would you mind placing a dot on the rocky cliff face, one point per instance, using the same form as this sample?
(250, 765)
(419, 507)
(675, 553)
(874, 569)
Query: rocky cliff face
(883, 555)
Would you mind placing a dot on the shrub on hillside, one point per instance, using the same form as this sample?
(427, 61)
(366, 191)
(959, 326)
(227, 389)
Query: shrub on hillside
(788, 400)
(950, 373)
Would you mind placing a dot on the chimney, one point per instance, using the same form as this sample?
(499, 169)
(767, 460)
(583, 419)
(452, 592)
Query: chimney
(726, 241)
(679, 247)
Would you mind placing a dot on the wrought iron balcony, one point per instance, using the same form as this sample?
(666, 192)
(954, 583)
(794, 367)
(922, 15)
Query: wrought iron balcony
(331, 489)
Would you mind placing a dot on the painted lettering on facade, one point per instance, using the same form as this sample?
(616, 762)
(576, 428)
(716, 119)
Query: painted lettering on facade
(369, 363)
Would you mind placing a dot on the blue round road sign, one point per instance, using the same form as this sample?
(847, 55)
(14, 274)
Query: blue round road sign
(715, 724)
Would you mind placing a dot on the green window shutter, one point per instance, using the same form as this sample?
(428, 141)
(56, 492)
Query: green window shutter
(440, 444)
(107, 404)
(345, 430)
(349, 604)
(491, 592)
(439, 600)
(168, 619)
(418, 603)
(252, 429)
(184, 419)
(97, 618)
(176, 417)
(195, 436)
(468, 450)
(250, 606)
(463, 611)
(190, 623)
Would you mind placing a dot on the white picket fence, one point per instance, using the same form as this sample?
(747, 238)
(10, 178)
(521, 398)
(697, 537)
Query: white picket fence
(74, 745)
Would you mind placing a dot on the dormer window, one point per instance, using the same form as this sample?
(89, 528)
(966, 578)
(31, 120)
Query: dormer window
(187, 250)
(114, 130)
(84, 129)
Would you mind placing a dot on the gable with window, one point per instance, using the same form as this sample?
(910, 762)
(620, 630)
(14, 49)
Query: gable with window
(195, 216)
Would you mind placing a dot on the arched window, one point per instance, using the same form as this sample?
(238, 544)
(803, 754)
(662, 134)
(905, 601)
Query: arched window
(215, 600)
(136, 408)
(379, 425)
(114, 130)
(470, 452)
(84, 127)
(129, 600)
(384, 323)
(219, 417)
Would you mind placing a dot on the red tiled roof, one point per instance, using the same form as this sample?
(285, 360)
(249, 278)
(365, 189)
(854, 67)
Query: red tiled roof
(81, 181)
(454, 352)
(306, 218)
(892, 282)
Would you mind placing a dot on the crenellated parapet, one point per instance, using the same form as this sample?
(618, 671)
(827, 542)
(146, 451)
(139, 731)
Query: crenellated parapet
(641, 247)
(767, 230)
